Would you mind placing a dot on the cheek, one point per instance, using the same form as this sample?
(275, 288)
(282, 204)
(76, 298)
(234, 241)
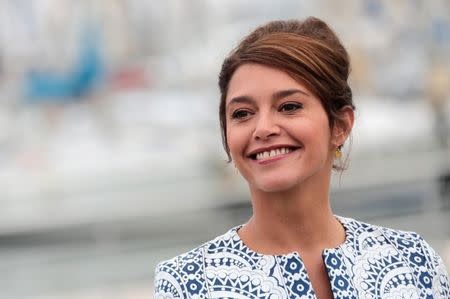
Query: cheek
(322, 134)
(236, 141)
(238, 138)
(318, 134)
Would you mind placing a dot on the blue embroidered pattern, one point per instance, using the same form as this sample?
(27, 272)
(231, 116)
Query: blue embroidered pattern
(374, 262)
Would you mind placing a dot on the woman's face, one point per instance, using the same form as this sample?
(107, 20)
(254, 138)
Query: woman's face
(277, 130)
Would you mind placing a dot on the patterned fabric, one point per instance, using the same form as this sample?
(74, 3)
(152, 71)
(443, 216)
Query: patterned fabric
(373, 262)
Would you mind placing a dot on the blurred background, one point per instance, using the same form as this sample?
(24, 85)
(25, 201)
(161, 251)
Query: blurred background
(110, 150)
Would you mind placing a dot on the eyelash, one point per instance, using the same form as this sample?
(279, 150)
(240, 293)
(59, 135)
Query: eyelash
(235, 114)
(294, 107)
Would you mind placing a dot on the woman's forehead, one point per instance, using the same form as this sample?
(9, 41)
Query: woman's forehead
(251, 80)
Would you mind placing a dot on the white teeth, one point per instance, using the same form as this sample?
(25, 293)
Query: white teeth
(272, 153)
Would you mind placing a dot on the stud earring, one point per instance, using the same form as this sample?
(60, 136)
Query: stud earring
(338, 152)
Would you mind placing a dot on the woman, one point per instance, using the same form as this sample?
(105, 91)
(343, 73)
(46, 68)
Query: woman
(286, 111)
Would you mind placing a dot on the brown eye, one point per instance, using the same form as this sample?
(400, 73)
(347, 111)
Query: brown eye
(239, 114)
(290, 107)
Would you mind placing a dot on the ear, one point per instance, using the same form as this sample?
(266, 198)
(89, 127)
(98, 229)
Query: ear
(342, 126)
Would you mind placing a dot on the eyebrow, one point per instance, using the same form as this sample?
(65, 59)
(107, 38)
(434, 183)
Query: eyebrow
(275, 96)
(285, 93)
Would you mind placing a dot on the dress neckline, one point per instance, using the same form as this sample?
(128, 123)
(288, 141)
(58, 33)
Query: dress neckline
(342, 220)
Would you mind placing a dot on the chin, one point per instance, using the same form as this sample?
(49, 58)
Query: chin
(275, 185)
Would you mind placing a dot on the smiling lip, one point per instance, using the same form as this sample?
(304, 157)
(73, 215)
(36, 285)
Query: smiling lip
(273, 159)
(266, 160)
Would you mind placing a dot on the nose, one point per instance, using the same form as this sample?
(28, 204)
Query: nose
(266, 127)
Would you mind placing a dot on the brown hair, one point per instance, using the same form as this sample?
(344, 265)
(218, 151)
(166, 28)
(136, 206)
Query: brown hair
(309, 51)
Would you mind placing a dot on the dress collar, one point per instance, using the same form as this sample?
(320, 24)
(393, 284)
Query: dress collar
(346, 223)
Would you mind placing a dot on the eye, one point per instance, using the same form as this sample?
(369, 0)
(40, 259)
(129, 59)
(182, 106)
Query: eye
(290, 107)
(240, 114)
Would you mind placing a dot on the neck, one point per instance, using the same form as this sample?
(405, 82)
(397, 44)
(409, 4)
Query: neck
(300, 219)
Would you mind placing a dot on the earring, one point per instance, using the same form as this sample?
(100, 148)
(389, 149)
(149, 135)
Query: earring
(235, 168)
(338, 152)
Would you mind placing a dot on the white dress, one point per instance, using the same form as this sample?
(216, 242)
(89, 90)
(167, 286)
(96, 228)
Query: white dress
(373, 262)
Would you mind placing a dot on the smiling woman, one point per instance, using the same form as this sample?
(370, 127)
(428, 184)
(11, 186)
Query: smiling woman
(286, 111)
(280, 113)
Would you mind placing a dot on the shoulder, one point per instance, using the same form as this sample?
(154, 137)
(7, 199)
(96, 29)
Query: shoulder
(183, 275)
(401, 248)
(364, 239)
(363, 234)
(174, 278)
